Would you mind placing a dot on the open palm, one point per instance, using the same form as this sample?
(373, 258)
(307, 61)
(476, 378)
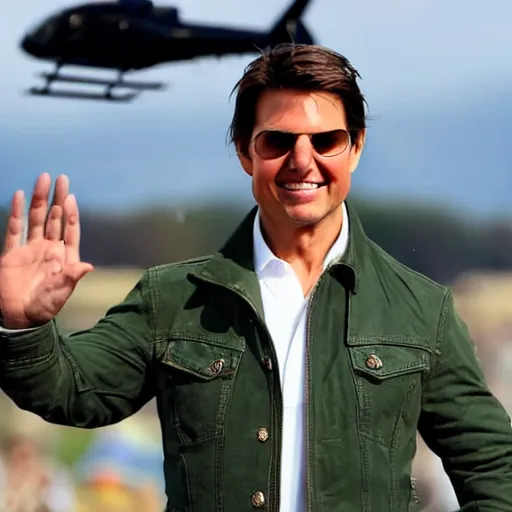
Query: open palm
(37, 277)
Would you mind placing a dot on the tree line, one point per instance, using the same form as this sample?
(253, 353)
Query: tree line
(433, 241)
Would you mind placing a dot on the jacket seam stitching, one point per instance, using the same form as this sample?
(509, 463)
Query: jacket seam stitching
(154, 304)
(30, 362)
(441, 329)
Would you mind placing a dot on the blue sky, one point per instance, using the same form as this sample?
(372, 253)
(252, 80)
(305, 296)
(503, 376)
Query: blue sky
(416, 57)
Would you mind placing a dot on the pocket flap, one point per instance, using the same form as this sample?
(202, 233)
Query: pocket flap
(385, 361)
(204, 360)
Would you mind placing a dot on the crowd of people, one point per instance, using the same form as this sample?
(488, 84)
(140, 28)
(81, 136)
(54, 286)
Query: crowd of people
(119, 471)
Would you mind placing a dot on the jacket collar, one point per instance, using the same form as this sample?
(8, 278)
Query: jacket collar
(233, 266)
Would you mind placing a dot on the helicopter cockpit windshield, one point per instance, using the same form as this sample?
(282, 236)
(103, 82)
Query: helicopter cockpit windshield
(43, 32)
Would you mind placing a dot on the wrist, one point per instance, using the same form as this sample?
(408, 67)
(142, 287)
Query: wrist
(12, 323)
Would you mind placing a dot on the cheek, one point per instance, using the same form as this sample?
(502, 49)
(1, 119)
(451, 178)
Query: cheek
(342, 188)
(338, 169)
(265, 171)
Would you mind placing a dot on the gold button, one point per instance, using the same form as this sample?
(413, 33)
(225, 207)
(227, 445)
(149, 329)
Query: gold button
(216, 366)
(374, 362)
(258, 499)
(262, 435)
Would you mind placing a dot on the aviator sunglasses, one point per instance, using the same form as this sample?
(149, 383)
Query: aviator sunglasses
(270, 144)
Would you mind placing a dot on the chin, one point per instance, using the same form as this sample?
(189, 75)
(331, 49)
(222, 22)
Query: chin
(304, 216)
(309, 215)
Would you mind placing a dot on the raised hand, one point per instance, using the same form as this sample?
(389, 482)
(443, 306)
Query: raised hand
(38, 277)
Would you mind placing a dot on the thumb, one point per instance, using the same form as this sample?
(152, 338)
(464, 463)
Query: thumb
(78, 270)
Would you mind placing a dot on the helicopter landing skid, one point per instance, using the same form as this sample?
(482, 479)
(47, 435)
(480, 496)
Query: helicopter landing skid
(108, 95)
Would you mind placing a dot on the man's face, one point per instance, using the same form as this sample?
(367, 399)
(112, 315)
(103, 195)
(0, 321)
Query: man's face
(303, 185)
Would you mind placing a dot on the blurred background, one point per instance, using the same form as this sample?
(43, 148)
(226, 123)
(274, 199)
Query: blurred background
(157, 182)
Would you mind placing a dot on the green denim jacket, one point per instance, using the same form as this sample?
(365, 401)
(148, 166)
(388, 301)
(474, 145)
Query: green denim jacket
(386, 356)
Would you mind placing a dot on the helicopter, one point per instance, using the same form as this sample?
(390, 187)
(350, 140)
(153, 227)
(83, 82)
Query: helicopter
(133, 35)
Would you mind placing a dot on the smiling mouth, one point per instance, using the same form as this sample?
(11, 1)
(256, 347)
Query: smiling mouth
(305, 185)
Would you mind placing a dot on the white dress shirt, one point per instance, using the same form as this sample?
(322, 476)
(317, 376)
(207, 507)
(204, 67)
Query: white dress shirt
(285, 309)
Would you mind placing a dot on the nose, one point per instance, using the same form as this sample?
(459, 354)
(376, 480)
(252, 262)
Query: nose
(302, 154)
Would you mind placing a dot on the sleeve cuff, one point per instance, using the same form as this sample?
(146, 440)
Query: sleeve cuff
(27, 345)
(3, 330)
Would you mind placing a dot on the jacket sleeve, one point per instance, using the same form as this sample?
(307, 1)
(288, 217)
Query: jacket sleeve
(464, 424)
(90, 378)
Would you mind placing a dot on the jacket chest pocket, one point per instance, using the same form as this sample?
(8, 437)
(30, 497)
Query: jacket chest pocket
(198, 381)
(388, 380)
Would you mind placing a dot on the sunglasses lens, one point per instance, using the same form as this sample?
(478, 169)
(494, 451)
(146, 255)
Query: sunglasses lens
(330, 143)
(274, 144)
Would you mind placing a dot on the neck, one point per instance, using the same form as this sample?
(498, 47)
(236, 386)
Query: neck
(303, 247)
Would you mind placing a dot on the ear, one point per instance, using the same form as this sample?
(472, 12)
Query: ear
(245, 160)
(356, 150)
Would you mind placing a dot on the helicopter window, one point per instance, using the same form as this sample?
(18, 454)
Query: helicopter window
(47, 27)
(76, 20)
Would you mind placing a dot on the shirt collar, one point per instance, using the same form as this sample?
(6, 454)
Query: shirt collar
(263, 256)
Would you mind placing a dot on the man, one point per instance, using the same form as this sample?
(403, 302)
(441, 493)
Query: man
(292, 369)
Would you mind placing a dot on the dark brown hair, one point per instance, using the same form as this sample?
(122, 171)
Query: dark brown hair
(299, 67)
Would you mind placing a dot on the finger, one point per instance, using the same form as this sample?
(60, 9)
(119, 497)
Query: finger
(61, 190)
(71, 230)
(53, 229)
(77, 271)
(38, 208)
(14, 233)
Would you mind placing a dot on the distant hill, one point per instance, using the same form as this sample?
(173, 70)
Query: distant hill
(455, 153)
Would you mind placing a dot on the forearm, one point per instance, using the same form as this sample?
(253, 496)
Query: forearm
(476, 448)
(465, 424)
(88, 379)
(41, 375)
(33, 368)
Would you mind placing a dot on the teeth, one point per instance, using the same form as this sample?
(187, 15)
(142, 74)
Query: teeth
(301, 186)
